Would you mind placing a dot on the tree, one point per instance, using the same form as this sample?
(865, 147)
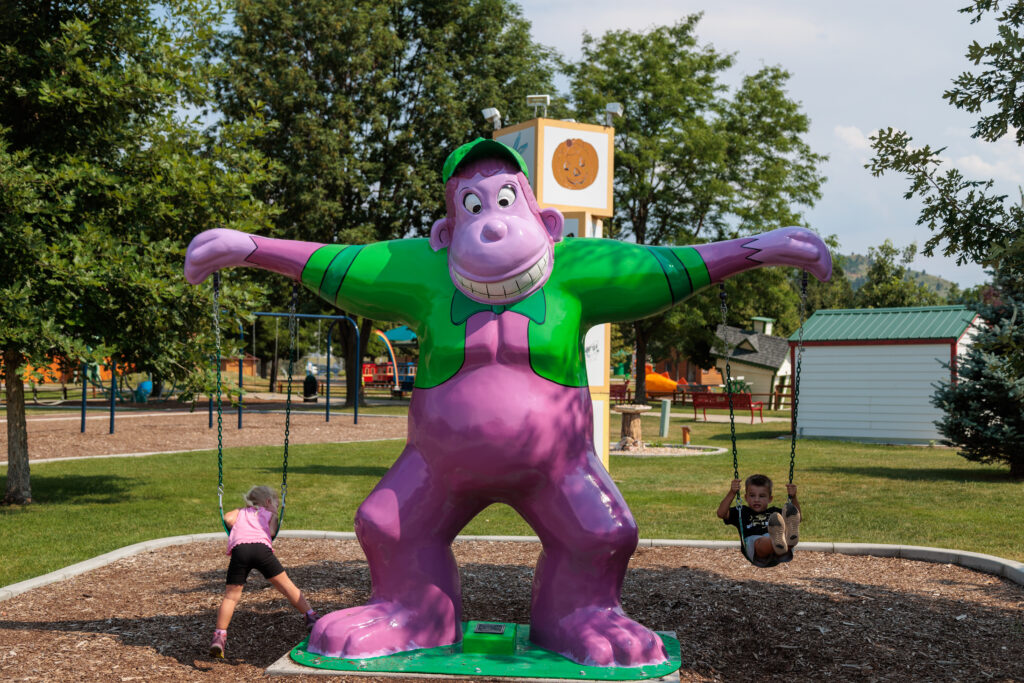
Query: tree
(889, 284)
(693, 161)
(977, 224)
(982, 408)
(102, 175)
(362, 132)
(980, 225)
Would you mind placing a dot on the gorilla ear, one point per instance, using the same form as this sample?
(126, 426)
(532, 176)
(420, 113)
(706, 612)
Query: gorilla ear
(440, 234)
(553, 222)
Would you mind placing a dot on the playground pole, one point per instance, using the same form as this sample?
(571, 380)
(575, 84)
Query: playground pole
(327, 406)
(273, 375)
(85, 382)
(113, 391)
(359, 375)
(327, 410)
(241, 352)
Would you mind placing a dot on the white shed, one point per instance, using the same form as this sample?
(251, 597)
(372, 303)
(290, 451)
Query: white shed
(869, 374)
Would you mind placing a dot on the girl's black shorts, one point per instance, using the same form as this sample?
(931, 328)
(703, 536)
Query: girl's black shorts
(248, 556)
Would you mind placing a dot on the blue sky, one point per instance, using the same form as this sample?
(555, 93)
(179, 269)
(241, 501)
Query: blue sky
(856, 67)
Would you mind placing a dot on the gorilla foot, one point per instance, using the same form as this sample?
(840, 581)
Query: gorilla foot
(384, 628)
(600, 636)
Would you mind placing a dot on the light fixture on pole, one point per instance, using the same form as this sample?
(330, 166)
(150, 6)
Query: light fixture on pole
(538, 101)
(611, 110)
(493, 117)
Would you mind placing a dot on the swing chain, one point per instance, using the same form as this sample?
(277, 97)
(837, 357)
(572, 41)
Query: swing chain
(292, 331)
(738, 500)
(220, 416)
(728, 390)
(796, 373)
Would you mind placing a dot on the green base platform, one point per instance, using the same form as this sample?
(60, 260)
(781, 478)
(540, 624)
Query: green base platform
(492, 650)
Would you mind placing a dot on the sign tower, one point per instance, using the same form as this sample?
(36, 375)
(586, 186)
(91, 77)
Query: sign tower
(571, 169)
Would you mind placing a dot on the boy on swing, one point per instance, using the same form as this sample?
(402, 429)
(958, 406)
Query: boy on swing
(769, 533)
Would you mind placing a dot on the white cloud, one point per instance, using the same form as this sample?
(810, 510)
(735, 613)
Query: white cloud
(853, 137)
(766, 29)
(1002, 160)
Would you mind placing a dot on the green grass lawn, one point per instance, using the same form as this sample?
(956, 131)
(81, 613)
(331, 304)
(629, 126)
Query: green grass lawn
(850, 492)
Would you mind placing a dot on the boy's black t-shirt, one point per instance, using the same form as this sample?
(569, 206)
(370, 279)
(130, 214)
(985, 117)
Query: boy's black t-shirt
(754, 523)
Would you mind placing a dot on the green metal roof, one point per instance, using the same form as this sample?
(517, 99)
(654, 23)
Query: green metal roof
(864, 324)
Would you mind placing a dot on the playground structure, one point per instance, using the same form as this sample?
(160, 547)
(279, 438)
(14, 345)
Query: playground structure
(98, 379)
(400, 375)
(659, 383)
(118, 385)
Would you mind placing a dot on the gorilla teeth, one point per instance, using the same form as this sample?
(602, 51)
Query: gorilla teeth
(509, 287)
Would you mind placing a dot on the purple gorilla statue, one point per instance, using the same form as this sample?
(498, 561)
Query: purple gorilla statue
(501, 412)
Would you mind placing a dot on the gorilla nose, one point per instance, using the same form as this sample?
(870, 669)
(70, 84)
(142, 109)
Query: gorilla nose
(494, 231)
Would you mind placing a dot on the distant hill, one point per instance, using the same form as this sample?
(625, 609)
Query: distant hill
(856, 267)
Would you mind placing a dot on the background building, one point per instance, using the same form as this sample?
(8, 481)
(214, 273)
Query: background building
(869, 374)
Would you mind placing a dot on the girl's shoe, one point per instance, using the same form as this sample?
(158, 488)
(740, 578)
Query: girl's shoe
(220, 639)
(777, 533)
(792, 519)
(311, 619)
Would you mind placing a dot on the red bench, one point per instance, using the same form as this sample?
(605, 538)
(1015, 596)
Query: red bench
(619, 392)
(739, 402)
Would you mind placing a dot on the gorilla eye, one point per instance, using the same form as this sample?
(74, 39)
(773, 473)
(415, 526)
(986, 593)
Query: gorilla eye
(472, 203)
(506, 196)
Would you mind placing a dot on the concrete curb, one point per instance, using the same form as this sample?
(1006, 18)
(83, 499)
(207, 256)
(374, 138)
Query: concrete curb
(988, 564)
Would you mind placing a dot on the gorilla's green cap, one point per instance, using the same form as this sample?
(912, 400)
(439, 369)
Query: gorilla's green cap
(478, 149)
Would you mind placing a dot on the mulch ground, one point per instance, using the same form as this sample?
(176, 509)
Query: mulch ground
(822, 616)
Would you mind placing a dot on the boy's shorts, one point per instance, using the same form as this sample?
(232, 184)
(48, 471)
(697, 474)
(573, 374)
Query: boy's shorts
(248, 556)
(751, 540)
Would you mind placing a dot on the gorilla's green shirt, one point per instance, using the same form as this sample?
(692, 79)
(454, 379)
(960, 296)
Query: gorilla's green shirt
(593, 281)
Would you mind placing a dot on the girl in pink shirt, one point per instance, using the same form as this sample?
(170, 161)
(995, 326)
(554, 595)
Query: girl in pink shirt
(250, 545)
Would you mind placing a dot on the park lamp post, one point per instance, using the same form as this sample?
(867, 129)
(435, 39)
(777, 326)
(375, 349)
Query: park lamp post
(611, 110)
(492, 116)
(539, 102)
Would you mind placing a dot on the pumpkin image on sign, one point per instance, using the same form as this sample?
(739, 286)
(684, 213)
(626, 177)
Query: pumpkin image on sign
(574, 164)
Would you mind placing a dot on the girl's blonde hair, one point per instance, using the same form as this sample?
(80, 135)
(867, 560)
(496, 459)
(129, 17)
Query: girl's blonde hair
(262, 496)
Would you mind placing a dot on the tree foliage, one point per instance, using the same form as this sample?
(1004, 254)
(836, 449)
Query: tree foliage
(368, 99)
(977, 223)
(695, 162)
(889, 283)
(102, 182)
(837, 292)
(984, 406)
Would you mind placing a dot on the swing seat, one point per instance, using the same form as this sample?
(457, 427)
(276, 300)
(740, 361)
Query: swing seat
(766, 562)
(760, 562)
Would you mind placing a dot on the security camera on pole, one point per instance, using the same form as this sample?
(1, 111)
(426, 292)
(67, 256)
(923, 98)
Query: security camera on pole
(571, 168)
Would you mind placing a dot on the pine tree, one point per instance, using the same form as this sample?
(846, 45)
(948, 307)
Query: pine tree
(984, 407)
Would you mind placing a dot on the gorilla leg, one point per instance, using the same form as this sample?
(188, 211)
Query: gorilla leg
(405, 526)
(588, 536)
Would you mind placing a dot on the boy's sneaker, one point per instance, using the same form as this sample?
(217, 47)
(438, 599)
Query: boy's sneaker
(311, 619)
(220, 639)
(792, 518)
(777, 533)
